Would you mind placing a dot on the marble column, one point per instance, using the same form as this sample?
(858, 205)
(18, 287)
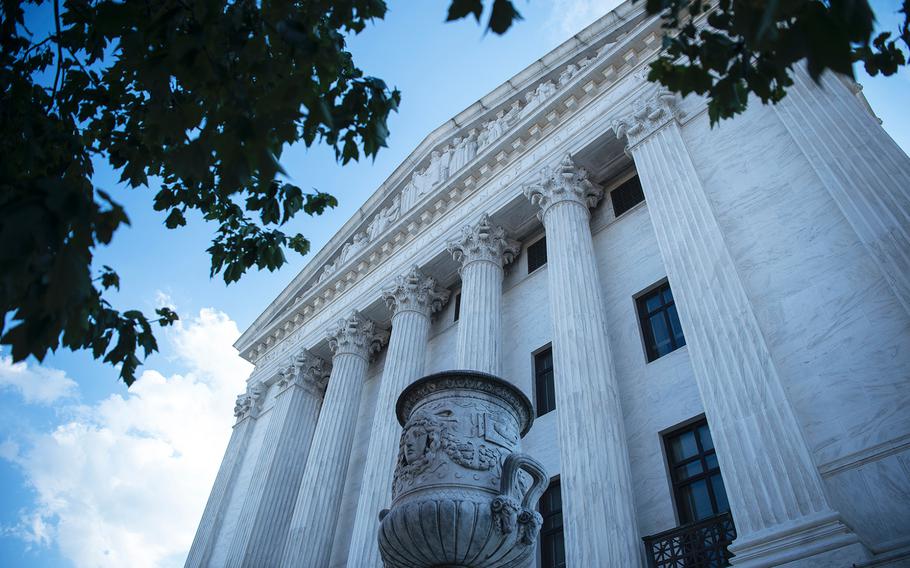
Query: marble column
(245, 410)
(312, 528)
(262, 526)
(596, 480)
(774, 489)
(864, 170)
(412, 299)
(482, 250)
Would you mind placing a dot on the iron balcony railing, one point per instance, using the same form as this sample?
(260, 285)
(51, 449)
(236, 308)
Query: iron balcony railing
(696, 545)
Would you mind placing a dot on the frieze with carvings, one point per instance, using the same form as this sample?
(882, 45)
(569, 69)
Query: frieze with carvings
(597, 76)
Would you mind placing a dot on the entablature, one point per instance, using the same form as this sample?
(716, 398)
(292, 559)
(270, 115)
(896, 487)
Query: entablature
(558, 88)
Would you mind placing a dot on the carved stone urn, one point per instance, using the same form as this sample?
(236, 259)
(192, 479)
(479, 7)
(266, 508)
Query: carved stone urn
(462, 496)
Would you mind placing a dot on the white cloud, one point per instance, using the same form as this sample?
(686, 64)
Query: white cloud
(39, 385)
(124, 483)
(571, 16)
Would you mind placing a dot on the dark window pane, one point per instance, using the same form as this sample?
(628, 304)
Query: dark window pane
(663, 343)
(683, 446)
(711, 461)
(552, 546)
(537, 255)
(653, 302)
(544, 386)
(675, 327)
(720, 493)
(457, 306)
(688, 470)
(626, 196)
(659, 322)
(698, 501)
(704, 436)
(698, 485)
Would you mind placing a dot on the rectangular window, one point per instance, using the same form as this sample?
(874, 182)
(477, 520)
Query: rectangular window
(552, 545)
(537, 255)
(457, 306)
(626, 196)
(544, 386)
(659, 322)
(698, 487)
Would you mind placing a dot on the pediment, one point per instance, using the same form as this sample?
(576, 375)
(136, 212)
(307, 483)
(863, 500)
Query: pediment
(452, 161)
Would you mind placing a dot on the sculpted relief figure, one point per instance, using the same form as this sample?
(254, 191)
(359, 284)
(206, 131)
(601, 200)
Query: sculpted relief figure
(358, 244)
(573, 69)
(464, 150)
(539, 96)
(328, 270)
(496, 127)
(383, 219)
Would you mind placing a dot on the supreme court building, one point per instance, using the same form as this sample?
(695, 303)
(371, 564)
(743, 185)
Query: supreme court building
(713, 326)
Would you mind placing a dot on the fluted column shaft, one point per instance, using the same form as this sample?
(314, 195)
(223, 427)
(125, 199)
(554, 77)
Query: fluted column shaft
(412, 300)
(772, 484)
(595, 477)
(201, 549)
(864, 170)
(482, 249)
(262, 527)
(312, 527)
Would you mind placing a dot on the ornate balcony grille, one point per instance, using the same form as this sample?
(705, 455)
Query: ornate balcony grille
(696, 545)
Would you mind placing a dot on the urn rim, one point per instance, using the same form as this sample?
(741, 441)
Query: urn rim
(512, 394)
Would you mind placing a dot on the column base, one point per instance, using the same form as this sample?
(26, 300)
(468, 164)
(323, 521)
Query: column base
(820, 541)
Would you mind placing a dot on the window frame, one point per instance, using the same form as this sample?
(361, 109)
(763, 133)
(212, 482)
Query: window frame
(555, 481)
(649, 344)
(625, 180)
(535, 373)
(676, 485)
(456, 306)
(536, 241)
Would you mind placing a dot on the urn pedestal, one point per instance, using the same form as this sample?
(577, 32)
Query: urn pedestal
(462, 496)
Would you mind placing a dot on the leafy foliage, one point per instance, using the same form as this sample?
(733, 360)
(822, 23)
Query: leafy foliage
(730, 49)
(201, 95)
(502, 13)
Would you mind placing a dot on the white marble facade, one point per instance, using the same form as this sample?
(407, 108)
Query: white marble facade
(784, 235)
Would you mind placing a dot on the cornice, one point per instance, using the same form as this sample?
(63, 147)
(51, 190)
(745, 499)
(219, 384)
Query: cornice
(615, 61)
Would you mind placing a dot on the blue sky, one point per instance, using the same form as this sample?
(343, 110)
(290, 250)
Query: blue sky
(95, 475)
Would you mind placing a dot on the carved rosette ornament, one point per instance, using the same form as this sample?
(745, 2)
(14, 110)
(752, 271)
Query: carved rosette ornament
(249, 402)
(413, 291)
(483, 242)
(459, 470)
(649, 115)
(564, 183)
(307, 371)
(356, 335)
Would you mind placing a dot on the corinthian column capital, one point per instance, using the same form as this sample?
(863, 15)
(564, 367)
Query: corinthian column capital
(306, 370)
(413, 291)
(564, 183)
(356, 335)
(649, 114)
(483, 241)
(249, 402)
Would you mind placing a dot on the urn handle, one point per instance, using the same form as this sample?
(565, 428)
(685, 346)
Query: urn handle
(513, 464)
